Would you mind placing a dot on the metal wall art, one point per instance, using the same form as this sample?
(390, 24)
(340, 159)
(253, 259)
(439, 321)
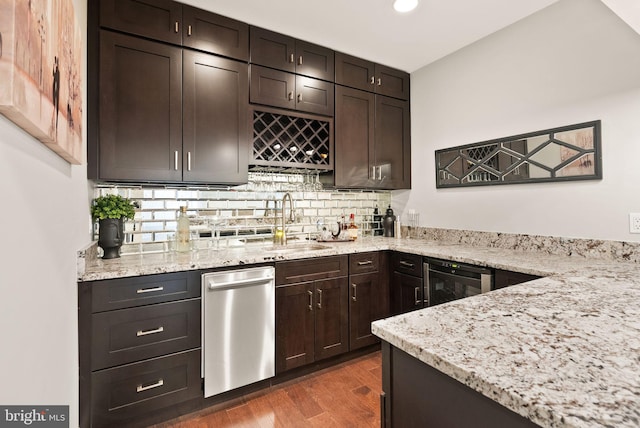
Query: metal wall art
(559, 154)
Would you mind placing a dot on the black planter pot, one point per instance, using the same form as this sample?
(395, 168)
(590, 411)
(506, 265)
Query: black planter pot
(111, 236)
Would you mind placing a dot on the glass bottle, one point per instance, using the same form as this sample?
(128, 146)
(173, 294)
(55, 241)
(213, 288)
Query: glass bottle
(353, 229)
(182, 235)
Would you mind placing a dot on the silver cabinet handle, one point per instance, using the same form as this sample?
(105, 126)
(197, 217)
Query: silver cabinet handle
(365, 263)
(149, 290)
(176, 27)
(379, 81)
(188, 161)
(379, 173)
(175, 160)
(291, 96)
(373, 172)
(373, 80)
(407, 264)
(148, 332)
(319, 299)
(300, 60)
(158, 384)
(310, 300)
(291, 59)
(189, 30)
(355, 292)
(299, 98)
(415, 295)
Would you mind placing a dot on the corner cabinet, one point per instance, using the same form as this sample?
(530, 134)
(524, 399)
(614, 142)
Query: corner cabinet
(361, 74)
(373, 141)
(162, 113)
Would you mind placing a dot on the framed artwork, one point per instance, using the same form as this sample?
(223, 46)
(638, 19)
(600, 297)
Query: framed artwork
(41, 72)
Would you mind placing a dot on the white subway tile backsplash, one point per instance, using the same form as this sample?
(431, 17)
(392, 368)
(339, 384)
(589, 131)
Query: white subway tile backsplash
(164, 215)
(152, 205)
(164, 194)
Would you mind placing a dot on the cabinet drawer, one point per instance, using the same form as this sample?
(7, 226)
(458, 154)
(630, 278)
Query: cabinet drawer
(128, 335)
(364, 262)
(144, 290)
(410, 264)
(311, 269)
(134, 390)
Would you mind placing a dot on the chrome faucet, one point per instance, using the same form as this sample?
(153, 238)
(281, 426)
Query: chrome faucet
(281, 238)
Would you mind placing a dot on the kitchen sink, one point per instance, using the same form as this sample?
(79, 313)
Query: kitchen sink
(295, 248)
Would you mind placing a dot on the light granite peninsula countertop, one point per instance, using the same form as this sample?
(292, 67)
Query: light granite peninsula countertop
(563, 351)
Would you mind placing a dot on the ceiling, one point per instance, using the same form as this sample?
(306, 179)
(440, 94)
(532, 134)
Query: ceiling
(371, 29)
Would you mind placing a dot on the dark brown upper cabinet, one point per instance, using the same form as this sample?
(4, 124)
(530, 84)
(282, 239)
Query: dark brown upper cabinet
(155, 19)
(216, 34)
(287, 90)
(150, 130)
(373, 142)
(281, 52)
(368, 76)
(173, 22)
(140, 110)
(215, 119)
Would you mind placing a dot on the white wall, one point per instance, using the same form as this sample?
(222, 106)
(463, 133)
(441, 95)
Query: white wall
(572, 62)
(44, 220)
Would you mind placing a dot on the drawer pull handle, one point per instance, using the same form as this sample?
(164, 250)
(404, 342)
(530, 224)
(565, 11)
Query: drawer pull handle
(177, 27)
(189, 32)
(319, 299)
(365, 263)
(416, 291)
(355, 292)
(148, 332)
(149, 290)
(158, 384)
(310, 300)
(407, 264)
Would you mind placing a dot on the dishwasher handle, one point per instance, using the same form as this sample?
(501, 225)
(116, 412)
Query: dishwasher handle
(239, 283)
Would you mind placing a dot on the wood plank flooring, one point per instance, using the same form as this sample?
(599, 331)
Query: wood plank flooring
(346, 395)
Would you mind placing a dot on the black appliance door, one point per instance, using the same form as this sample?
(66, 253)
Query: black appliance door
(446, 286)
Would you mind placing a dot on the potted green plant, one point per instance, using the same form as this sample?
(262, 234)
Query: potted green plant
(111, 211)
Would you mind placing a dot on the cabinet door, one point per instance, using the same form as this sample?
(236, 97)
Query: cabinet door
(272, 49)
(366, 304)
(315, 61)
(354, 143)
(314, 96)
(407, 293)
(215, 119)
(273, 87)
(140, 105)
(294, 326)
(332, 317)
(155, 19)
(391, 82)
(355, 72)
(392, 143)
(217, 34)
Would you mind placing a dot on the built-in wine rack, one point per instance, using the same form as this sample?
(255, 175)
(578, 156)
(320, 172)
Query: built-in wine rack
(282, 140)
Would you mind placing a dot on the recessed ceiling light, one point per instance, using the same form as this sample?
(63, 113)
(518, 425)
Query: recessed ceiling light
(404, 6)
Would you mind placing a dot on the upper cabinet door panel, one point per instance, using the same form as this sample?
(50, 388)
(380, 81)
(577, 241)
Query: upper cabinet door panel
(355, 72)
(392, 82)
(315, 61)
(156, 19)
(393, 143)
(217, 34)
(215, 119)
(314, 96)
(140, 109)
(273, 87)
(272, 49)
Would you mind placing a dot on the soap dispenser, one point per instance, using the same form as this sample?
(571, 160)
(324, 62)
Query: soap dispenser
(389, 223)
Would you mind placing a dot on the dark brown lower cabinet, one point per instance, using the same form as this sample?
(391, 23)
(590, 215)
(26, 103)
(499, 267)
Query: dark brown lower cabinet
(312, 311)
(407, 293)
(418, 395)
(368, 296)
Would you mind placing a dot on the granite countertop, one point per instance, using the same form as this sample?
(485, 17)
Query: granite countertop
(563, 351)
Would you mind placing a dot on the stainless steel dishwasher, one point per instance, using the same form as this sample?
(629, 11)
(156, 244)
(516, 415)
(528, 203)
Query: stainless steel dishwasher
(238, 328)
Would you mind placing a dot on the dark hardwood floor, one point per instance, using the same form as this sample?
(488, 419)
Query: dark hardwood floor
(346, 395)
